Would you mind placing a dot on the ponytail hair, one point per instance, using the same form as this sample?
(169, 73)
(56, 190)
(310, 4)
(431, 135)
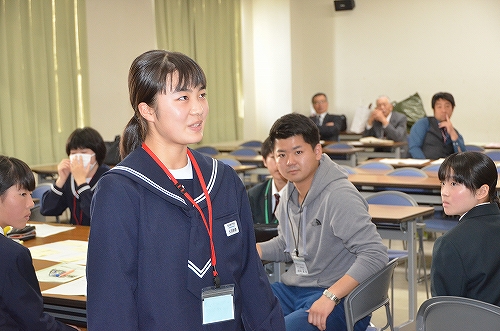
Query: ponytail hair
(133, 136)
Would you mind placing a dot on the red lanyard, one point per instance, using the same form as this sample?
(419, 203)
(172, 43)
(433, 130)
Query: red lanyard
(208, 225)
(78, 221)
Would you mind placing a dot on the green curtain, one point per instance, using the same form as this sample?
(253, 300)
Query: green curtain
(43, 77)
(209, 31)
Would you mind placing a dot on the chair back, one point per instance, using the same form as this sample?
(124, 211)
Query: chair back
(369, 296)
(493, 154)
(474, 148)
(252, 143)
(339, 146)
(38, 194)
(407, 171)
(350, 170)
(39, 191)
(375, 165)
(207, 150)
(244, 152)
(432, 167)
(448, 313)
(394, 198)
(230, 162)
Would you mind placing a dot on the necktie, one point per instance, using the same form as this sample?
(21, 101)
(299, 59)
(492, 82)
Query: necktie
(318, 119)
(277, 197)
(443, 133)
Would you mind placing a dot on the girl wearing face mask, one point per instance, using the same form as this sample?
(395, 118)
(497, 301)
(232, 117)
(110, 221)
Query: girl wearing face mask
(77, 177)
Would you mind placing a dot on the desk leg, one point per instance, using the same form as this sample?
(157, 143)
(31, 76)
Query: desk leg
(397, 152)
(353, 160)
(412, 279)
(409, 237)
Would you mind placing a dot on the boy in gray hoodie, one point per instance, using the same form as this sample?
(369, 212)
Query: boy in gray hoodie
(324, 228)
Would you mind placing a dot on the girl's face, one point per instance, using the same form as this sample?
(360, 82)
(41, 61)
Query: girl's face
(458, 199)
(179, 117)
(15, 207)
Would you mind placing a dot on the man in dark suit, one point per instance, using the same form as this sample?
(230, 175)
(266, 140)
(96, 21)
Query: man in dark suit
(265, 196)
(329, 125)
(383, 123)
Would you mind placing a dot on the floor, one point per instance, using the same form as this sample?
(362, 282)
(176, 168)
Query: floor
(401, 289)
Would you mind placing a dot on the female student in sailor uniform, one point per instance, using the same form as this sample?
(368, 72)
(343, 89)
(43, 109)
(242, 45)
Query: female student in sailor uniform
(169, 223)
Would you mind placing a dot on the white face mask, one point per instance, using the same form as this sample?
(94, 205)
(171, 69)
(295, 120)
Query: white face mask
(85, 158)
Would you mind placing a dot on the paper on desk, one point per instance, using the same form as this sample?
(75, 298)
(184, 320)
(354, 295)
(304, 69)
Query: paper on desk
(409, 162)
(375, 140)
(45, 230)
(68, 251)
(61, 273)
(438, 161)
(76, 287)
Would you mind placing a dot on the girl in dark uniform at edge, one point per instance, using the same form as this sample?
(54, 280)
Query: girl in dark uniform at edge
(466, 260)
(21, 303)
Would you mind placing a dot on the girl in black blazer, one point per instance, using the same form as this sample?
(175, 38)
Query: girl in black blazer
(21, 303)
(466, 260)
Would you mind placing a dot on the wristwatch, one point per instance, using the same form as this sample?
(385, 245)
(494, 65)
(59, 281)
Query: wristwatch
(331, 296)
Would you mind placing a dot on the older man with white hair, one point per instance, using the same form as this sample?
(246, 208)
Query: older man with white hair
(383, 123)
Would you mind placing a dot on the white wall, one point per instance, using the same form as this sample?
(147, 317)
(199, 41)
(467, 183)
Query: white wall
(399, 47)
(294, 48)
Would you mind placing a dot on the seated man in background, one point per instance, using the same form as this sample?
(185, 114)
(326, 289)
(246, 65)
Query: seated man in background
(264, 197)
(324, 228)
(435, 137)
(385, 124)
(329, 125)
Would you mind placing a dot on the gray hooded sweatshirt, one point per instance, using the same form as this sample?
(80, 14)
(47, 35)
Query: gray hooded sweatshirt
(332, 231)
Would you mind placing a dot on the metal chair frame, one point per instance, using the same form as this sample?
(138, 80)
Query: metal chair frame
(450, 313)
(369, 296)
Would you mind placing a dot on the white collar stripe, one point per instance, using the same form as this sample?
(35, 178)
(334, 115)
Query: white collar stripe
(150, 182)
(210, 184)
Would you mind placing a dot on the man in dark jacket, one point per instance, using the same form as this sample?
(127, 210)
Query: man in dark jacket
(329, 125)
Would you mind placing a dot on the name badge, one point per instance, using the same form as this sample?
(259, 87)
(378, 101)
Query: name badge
(217, 303)
(300, 265)
(231, 228)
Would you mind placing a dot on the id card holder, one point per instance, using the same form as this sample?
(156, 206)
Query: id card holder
(300, 265)
(217, 303)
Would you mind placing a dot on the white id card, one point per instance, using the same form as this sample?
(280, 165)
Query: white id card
(217, 303)
(300, 265)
